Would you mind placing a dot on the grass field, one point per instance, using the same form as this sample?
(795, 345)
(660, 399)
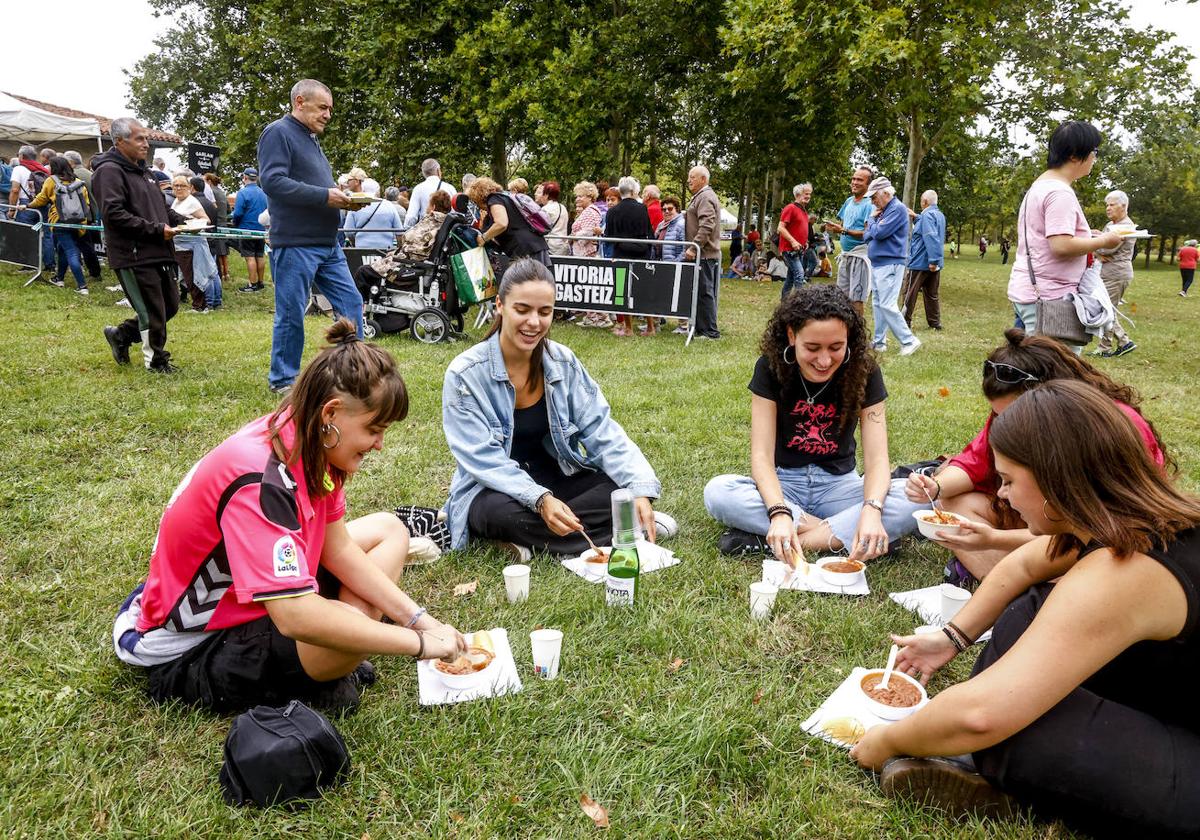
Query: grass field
(713, 749)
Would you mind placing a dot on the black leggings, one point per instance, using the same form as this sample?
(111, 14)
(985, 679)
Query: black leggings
(1187, 274)
(1100, 765)
(495, 516)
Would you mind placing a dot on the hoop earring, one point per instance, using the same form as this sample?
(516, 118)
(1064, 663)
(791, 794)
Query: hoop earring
(791, 347)
(326, 429)
(1046, 514)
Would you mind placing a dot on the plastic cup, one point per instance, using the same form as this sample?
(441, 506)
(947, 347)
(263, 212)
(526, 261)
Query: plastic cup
(547, 651)
(762, 599)
(516, 582)
(953, 600)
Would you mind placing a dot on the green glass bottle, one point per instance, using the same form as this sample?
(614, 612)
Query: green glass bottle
(623, 564)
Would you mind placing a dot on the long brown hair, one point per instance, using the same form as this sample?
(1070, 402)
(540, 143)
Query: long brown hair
(1049, 360)
(518, 273)
(814, 302)
(1090, 463)
(350, 369)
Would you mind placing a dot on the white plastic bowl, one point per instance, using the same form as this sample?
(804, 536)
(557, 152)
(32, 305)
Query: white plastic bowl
(929, 529)
(461, 682)
(595, 569)
(884, 711)
(840, 578)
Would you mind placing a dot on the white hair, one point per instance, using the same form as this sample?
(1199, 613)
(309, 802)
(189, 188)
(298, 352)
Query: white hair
(799, 188)
(890, 192)
(652, 191)
(929, 196)
(74, 157)
(1118, 196)
(307, 87)
(430, 166)
(701, 170)
(629, 186)
(121, 128)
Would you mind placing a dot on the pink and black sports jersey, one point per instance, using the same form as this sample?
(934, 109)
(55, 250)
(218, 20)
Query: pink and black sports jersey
(239, 530)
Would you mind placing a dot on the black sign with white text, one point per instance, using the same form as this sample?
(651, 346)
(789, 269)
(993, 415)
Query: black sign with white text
(625, 287)
(202, 158)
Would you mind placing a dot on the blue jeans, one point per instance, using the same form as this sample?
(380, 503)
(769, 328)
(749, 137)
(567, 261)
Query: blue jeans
(734, 500)
(795, 276)
(885, 293)
(212, 295)
(296, 269)
(66, 247)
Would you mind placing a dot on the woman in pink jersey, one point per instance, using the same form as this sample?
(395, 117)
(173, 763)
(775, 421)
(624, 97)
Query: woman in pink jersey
(967, 484)
(259, 590)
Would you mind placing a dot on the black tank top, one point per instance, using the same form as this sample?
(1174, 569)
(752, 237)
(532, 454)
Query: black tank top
(1159, 677)
(530, 446)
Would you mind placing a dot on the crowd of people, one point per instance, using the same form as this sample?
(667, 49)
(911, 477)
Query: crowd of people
(1081, 548)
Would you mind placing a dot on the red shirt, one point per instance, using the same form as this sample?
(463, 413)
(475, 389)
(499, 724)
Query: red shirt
(654, 208)
(239, 530)
(977, 462)
(795, 219)
(753, 236)
(1187, 256)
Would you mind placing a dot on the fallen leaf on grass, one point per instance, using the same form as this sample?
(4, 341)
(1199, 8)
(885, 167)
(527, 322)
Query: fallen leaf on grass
(365, 836)
(514, 799)
(1133, 308)
(594, 810)
(943, 391)
(920, 395)
(675, 666)
(456, 817)
(466, 588)
(757, 696)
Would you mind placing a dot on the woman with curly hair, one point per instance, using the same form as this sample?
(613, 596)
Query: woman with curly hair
(967, 484)
(814, 383)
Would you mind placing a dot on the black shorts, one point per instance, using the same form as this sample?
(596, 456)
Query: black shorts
(252, 247)
(241, 667)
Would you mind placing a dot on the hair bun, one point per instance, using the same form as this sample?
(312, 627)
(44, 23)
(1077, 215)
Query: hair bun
(343, 331)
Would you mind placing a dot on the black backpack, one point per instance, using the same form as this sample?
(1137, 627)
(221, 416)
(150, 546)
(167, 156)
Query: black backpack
(275, 756)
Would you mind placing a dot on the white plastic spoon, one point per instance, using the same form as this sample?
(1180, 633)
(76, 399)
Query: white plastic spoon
(891, 664)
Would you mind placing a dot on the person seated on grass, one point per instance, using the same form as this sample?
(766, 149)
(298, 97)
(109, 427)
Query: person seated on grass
(813, 385)
(538, 451)
(259, 591)
(967, 483)
(742, 266)
(824, 266)
(1082, 706)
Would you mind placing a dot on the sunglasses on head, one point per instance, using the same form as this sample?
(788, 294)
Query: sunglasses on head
(1008, 374)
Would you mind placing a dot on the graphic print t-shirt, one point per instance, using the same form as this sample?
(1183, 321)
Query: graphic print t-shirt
(808, 434)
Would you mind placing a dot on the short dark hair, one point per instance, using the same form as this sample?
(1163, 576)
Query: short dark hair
(1073, 140)
(672, 200)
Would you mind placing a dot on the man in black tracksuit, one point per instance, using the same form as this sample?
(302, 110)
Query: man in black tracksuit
(138, 229)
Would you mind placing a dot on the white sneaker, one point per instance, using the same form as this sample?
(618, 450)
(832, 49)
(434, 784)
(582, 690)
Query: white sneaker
(421, 551)
(520, 553)
(909, 349)
(84, 291)
(665, 526)
(124, 302)
(112, 288)
(880, 348)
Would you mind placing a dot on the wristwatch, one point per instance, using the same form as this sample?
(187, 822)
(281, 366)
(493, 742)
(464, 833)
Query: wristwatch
(875, 503)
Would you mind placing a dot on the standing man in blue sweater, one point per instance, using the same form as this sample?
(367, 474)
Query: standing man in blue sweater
(925, 261)
(305, 201)
(886, 236)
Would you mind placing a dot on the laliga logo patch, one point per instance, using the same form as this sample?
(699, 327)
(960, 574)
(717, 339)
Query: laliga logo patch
(287, 562)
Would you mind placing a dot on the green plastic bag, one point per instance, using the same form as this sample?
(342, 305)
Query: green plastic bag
(473, 275)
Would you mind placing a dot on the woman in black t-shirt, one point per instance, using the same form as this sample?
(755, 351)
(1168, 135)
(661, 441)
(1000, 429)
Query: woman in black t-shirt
(503, 223)
(813, 385)
(1083, 704)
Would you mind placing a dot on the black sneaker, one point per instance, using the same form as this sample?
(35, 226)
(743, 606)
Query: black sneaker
(948, 784)
(736, 541)
(164, 368)
(365, 674)
(337, 696)
(252, 287)
(1127, 347)
(120, 350)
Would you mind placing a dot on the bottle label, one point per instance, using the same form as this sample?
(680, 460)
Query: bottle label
(619, 591)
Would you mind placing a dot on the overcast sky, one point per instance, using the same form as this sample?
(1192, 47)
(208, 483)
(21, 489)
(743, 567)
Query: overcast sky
(98, 85)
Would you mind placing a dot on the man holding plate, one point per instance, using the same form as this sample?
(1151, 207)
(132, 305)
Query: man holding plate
(305, 200)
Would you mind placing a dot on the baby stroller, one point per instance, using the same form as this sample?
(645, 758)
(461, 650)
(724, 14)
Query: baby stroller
(418, 295)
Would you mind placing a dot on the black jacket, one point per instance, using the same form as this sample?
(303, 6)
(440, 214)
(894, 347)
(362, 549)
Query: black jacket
(629, 219)
(133, 211)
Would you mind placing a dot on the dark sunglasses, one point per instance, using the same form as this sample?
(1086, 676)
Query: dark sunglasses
(1008, 374)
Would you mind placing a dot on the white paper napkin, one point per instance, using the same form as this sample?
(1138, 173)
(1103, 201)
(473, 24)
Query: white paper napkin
(776, 573)
(927, 603)
(651, 557)
(433, 692)
(846, 701)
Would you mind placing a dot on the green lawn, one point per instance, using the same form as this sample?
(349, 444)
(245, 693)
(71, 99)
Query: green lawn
(713, 749)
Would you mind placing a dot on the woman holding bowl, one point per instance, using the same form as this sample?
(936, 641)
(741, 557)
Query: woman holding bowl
(259, 590)
(814, 386)
(1082, 706)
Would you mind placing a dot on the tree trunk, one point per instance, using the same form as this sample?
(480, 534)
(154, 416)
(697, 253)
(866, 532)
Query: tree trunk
(1147, 255)
(916, 154)
(1174, 239)
(654, 144)
(743, 203)
(1162, 246)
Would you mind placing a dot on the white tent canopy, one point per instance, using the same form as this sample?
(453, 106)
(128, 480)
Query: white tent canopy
(728, 220)
(27, 124)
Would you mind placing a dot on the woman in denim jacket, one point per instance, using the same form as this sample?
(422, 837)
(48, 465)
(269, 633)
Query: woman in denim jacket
(538, 451)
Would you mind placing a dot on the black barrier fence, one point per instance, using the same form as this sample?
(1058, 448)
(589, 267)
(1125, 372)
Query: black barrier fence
(21, 244)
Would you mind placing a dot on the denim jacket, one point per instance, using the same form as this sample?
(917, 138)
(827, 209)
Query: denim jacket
(478, 401)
